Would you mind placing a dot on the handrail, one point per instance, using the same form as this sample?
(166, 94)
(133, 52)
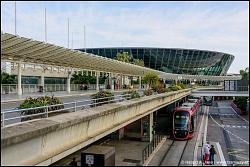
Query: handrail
(149, 149)
(92, 103)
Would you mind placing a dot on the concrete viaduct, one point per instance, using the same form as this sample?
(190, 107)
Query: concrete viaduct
(45, 141)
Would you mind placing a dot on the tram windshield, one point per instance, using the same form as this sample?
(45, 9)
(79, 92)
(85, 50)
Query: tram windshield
(181, 120)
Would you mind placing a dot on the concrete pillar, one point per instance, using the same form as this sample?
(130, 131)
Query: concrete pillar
(19, 79)
(97, 80)
(68, 83)
(122, 81)
(139, 82)
(109, 80)
(42, 80)
(42, 77)
(112, 82)
(121, 133)
(151, 123)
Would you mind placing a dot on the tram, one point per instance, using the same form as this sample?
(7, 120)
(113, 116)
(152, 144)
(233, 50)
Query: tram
(184, 119)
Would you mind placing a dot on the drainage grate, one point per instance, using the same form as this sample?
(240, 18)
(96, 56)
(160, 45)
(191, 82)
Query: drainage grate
(131, 160)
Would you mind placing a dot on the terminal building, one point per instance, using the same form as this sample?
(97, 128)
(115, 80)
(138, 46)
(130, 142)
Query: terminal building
(172, 60)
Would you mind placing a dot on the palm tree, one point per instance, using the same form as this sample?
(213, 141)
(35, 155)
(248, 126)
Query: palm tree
(245, 74)
(151, 79)
(8, 79)
(124, 57)
(138, 62)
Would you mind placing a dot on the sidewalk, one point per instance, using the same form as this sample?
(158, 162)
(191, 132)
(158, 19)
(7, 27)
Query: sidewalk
(219, 159)
(14, 97)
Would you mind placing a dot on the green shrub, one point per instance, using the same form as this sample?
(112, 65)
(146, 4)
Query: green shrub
(148, 92)
(38, 102)
(181, 85)
(168, 90)
(241, 102)
(102, 94)
(175, 87)
(133, 94)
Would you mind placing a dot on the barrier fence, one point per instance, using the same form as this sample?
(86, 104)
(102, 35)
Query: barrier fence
(148, 150)
(33, 88)
(65, 107)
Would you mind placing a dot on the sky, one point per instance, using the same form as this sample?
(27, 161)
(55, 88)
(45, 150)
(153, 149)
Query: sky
(216, 26)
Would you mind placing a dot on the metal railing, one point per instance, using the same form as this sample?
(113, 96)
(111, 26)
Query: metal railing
(33, 88)
(71, 107)
(148, 150)
(12, 88)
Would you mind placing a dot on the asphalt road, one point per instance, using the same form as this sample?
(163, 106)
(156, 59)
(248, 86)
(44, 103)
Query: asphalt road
(233, 134)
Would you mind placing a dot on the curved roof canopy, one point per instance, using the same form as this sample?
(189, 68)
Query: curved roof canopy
(16, 48)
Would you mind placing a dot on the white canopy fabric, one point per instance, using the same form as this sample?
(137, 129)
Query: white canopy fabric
(16, 48)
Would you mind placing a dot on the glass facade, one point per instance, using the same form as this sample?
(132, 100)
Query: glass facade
(178, 61)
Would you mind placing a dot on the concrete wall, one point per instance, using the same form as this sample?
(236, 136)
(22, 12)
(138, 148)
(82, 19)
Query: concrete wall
(45, 141)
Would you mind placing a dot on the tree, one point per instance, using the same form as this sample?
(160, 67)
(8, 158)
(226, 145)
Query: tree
(245, 74)
(124, 57)
(151, 79)
(8, 79)
(138, 62)
(86, 79)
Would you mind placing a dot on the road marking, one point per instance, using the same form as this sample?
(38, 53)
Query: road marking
(239, 115)
(222, 159)
(228, 131)
(233, 126)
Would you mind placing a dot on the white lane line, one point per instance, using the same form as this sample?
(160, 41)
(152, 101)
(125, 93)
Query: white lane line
(239, 115)
(222, 159)
(228, 131)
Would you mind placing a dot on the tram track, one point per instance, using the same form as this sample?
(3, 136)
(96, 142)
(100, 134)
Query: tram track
(173, 156)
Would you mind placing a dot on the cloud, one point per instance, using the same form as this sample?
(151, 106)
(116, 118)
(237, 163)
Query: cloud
(211, 26)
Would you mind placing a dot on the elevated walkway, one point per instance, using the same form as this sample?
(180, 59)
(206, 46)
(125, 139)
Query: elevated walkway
(219, 93)
(51, 139)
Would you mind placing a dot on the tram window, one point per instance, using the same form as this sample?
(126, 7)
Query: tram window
(181, 120)
(192, 123)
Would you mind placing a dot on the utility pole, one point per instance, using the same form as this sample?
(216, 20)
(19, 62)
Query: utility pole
(72, 42)
(84, 40)
(15, 18)
(68, 32)
(45, 24)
